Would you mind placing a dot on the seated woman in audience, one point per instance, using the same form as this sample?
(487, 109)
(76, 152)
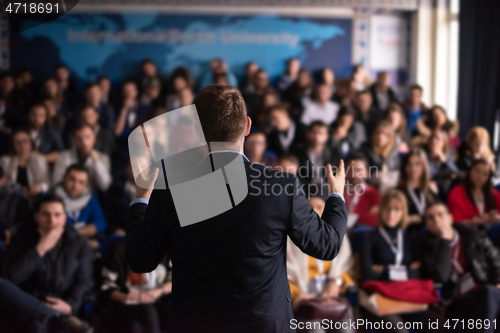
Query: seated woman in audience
(381, 151)
(415, 183)
(362, 200)
(46, 139)
(395, 115)
(311, 278)
(436, 119)
(133, 302)
(476, 146)
(442, 169)
(475, 201)
(375, 252)
(255, 149)
(50, 89)
(322, 108)
(386, 247)
(347, 133)
(24, 166)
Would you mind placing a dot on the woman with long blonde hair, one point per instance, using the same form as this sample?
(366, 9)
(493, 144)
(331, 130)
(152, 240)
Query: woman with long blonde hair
(477, 145)
(381, 151)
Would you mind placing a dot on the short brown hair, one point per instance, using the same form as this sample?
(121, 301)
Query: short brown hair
(222, 113)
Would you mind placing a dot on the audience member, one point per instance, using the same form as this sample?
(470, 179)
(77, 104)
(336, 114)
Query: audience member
(315, 154)
(395, 115)
(475, 201)
(269, 100)
(84, 153)
(253, 99)
(83, 209)
(436, 119)
(345, 92)
(93, 97)
(288, 163)
(466, 264)
(414, 107)
(362, 200)
(442, 168)
(218, 66)
(255, 149)
(290, 75)
(250, 69)
(322, 108)
(366, 112)
(56, 118)
(286, 133)
(300, 89)
(133, 302)
(67, 85)
(105, 141)
(381, 151)
(360, 79)
(109, 96)
(15, 209)
(45, 139)
(130, 112)
(311, 278)
(347, 133)
(327, 77)
(149, 71)
(179, 80)
(24, 166)
(476, 146)
(50, 261)
(10, 118)
(415, 183)
(151, 94)
(382, 93)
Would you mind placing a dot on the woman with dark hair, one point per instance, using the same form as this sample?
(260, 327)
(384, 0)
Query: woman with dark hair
(475, 201)
(436, 118)
(269, 99)
(395, 115)
(347, 133)
(45, 138)
(327, 76)
(179, 80)
(24, 166)
(415, 183)
(442, 169)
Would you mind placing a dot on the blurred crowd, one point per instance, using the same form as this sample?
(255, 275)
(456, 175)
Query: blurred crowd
(419, 198)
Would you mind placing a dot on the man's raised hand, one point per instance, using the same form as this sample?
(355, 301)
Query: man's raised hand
(336, 183)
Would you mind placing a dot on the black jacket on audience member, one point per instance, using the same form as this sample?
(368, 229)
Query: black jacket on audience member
(306, 171)
(482, 259)
(368, 119)
(274, 143)
(50, 140)
(68, 276)
(374, 250)
(392, 97)
(229, 271)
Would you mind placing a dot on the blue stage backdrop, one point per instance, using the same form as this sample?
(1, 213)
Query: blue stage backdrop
(113, 45)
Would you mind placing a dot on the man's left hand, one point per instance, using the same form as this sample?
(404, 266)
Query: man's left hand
(58, 305)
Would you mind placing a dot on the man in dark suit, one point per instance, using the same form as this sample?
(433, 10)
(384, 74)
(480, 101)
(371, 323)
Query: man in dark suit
(229, 271)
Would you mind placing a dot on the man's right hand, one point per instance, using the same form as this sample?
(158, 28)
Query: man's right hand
(48, 240)
(336, 183)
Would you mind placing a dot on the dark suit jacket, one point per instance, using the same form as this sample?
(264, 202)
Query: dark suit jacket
(329, 156)
(229, 272)
(50, 139)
